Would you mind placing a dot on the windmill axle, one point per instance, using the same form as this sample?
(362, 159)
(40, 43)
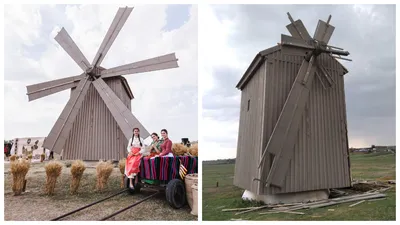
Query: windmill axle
(320, 47)
(93, 72)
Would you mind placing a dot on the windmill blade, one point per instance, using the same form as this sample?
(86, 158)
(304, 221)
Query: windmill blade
(283, 138)
(294, 46)
(112, 33)
(60, 131)
(298, 30)
(72, 49)
(158, 63)
(296, 42)
(40, 90)
(323, 32)
(122, 115)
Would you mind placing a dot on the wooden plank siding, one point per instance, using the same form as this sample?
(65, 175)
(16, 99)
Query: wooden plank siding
(250, 132)
(95, 120)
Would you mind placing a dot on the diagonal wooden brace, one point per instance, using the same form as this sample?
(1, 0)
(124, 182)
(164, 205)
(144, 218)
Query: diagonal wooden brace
(282, 141)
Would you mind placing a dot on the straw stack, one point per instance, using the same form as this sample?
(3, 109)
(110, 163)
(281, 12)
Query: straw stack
(77, 169)
(19, 169)
(121, 166)
(13, 158)
(53, 171)
(179, 149)
(193, 150)
(104, 170)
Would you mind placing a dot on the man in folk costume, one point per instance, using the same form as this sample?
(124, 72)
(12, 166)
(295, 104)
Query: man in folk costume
(135, 150)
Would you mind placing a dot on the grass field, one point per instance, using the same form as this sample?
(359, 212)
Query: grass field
(34, 205)
(363, 167)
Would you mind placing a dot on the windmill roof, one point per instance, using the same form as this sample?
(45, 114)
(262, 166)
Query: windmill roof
(258, 61)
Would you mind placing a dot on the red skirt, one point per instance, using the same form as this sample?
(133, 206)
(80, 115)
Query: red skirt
(133, 162)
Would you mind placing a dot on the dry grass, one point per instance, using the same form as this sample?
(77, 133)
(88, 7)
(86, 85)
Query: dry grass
(19, 169)
(13, 158)
(77, 169)
(121, 165)
(104, 170)
(42, 157)
(53, 171)
(179, 149)
(193, 150)
(30, 156)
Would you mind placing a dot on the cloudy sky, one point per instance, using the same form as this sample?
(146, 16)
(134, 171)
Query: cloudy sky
(239, 32)
(163, 99)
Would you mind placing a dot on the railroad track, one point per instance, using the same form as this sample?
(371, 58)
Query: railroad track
(104, 199)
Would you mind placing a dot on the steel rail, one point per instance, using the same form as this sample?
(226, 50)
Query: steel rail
(89, 205)
(128, 207)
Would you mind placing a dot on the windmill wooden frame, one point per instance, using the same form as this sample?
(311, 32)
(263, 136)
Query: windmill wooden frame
(97, 120)
(293, 130)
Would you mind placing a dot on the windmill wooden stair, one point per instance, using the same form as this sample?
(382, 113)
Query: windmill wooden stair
(283, 138)
(93, 74)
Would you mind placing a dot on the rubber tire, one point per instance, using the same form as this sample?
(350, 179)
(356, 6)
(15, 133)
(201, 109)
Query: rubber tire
(175, 193)
(136, 188)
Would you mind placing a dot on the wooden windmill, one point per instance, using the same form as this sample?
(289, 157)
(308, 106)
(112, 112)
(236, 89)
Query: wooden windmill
(292, 130)
(97, 120)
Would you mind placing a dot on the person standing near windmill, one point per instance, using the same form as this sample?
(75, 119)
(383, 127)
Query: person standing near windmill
(135, 148)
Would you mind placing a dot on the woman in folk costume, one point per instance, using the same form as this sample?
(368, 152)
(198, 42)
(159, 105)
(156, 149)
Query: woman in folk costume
(166, 146)
(155, 146)
(135, 149)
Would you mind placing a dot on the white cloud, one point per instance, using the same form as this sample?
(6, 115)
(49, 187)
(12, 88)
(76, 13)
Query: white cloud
(163, 99)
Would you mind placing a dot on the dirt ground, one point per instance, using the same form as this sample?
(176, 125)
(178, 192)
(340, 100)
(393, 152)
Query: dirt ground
(34, 205)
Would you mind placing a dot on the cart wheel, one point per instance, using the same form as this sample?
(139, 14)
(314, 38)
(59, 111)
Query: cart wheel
(176, 194)
(136, 188)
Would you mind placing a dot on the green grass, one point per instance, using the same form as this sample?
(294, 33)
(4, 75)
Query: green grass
(363, 167)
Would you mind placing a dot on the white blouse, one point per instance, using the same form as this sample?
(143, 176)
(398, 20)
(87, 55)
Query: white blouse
(135, 143)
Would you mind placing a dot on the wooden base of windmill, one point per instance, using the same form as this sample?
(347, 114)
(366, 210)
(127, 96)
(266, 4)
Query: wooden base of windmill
(287, 198)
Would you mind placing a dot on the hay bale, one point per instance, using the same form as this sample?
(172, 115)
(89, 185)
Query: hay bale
(193, 150)
(121, 165)
(103, 170)
(179, 149)
(13, 158)
(19, 169)
(53, 171)
(77, 169)
(42, 157)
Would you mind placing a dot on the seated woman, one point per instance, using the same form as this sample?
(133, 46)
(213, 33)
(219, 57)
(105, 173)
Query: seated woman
(166, 146)
(155, 146)
(135, 147)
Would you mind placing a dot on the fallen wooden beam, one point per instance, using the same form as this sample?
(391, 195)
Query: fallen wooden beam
(357, 203)
(237, 209)
(348, 200)
(252, 210)
(377, 199)
(290, 212)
